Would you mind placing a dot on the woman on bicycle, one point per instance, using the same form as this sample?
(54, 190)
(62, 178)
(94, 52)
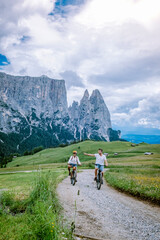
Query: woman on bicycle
(73, 161)
(100, 160)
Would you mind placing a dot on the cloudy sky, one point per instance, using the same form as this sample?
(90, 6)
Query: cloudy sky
(112, 45)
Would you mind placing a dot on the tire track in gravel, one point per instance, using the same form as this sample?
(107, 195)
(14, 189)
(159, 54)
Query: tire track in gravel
(107, 214)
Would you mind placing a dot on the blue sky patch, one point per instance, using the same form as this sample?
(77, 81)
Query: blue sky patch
(24, 38)
(3, 60)
(61, 6)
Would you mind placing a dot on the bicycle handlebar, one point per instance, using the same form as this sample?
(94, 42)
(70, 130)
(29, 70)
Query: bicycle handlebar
(99, 164)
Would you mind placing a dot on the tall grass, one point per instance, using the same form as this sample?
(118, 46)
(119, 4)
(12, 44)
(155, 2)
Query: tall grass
(140, 182)
(37, 217)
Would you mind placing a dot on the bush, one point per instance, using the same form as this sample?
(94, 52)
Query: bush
(63, 145)
(5, 159)
(26, 153)
(38, 149)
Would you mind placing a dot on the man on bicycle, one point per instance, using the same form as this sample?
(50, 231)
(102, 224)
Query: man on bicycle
(100, 160)
(73, 161)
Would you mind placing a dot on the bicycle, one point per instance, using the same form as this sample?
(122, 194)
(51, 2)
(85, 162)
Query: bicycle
(99, 180)
(73, 176)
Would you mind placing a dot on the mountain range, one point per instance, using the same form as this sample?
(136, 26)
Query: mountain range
(34, 111)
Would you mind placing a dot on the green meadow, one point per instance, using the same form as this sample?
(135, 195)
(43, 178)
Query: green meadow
(129, 170)
(28, 203)
(126, 154)
(29, 209)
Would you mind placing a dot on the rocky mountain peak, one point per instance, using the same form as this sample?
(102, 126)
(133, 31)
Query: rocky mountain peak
(34, 112)
(96, 93)
(85, 96)
(93, 120)
(74, 110)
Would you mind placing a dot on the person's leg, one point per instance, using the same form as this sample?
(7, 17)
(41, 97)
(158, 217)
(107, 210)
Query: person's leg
(102, 170)
(69, 167)
(96, 169)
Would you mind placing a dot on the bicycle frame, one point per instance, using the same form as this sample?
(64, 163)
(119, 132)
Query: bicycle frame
(99, 177)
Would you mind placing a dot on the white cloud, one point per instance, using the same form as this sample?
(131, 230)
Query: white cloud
(99, 13)
(146, 114)
(110, 45)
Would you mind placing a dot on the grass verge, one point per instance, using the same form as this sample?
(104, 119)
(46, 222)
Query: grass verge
(35, 217)
(139, 182)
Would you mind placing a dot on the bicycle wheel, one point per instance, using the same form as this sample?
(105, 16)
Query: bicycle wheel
(71, 180)
(74, 178)
(99, 181)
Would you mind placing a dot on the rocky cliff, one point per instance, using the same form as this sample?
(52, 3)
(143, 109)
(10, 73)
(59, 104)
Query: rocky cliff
(34, 112)
(91, 118)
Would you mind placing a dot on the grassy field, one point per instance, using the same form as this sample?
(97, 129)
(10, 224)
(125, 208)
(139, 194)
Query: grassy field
(30, 209)
(140, 182)
(25, 214)
(130, 170)
(57, 155)
(135, 173)
(61, 155)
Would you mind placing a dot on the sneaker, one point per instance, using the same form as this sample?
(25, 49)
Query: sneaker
(95, 179)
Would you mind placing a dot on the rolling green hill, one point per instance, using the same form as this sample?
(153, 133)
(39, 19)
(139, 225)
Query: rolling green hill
(130, 170)
(61, 154)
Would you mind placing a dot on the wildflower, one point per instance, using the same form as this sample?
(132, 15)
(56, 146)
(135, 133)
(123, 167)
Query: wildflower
(51, 230)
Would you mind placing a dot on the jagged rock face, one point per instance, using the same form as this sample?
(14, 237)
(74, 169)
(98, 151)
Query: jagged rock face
(93, 119)
(41, 94)
(34, 112)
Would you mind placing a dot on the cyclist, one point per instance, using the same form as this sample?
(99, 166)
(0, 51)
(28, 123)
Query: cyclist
(100, 160)
(73, 161)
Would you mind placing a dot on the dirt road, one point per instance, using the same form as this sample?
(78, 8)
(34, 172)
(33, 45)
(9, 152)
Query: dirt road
(107, 214)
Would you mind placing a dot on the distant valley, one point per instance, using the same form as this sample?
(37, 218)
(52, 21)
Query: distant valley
(135, 138)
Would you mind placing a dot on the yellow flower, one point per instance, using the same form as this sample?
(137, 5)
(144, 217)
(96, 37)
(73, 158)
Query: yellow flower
(53, 226)
(52, 223)
(51, 230)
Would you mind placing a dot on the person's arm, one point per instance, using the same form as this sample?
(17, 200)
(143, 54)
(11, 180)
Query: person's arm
(87, 154)
(79, 163)
(106, 163)
(69, 160)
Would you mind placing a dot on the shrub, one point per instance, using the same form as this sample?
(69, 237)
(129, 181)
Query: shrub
(26, 153)
(37, 149)
(63, 145)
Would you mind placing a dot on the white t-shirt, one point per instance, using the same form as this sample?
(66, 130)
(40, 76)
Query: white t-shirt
(74, 160)
(100, 159)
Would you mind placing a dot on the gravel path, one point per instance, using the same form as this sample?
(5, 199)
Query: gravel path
(106, 213)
